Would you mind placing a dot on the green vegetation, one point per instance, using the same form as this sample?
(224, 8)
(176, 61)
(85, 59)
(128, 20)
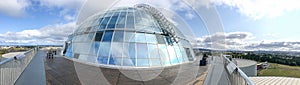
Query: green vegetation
(273, 58)
(13, 49)
(280, 70)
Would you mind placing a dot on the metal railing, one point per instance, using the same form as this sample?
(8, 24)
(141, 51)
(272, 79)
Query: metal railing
(235, 75)
(11, 68)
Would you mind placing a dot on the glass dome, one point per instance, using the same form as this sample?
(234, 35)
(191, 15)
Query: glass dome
(131, 36)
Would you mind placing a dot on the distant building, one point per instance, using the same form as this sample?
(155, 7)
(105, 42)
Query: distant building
(137, 36)
(247, 66)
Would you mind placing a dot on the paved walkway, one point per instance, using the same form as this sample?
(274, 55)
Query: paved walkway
(216, 72)
(62, 71)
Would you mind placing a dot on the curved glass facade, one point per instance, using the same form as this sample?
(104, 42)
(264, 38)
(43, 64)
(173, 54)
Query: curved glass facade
(127, 37)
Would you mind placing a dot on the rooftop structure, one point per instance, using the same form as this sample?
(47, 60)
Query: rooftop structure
(247, 66)
(137, 36)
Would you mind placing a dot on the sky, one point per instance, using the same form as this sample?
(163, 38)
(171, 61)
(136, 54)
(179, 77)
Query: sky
(247, 24)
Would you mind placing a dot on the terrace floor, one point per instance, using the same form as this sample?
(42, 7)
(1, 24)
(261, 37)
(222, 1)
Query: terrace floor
(62, 71)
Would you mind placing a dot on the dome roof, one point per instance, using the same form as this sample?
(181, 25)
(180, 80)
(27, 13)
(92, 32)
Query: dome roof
(129, 36)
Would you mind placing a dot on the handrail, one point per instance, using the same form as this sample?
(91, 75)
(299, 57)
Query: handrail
(237, 73)
(11, 69)
(19, 56)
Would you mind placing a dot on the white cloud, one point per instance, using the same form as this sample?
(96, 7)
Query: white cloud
(65, 4)
(51, 34)
(69, 18)
(67, 7)
(244, 41)
(14, 8)
(258, 9)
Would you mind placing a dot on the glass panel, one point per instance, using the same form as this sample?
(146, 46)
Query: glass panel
(184, 55)
(129, 37)
(172, 55)
(138, 18)
(94, 48)
(132, 50)
(113, 20)
(90, 36)
(129, 54)
(80, 38)
(155, 62)
(130, 20)
(119, 36)
(121, 20)
(98, 36)
(115, 61)
(178, 53)
(104, 23)
(189, 54)
(104, 52)
(128, 62)
(82, 48)
(160, 39)
(151, 38)
(107, 36)
(142, 51)
(164, 55)
(116, 50)
(142, 62)
(140, 37)
(153, 51)
(69, 51)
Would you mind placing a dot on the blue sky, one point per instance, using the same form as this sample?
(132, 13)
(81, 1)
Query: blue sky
(263, 25)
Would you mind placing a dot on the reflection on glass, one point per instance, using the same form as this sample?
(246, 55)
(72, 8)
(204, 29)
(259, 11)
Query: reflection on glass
(142, 51)
(121, 20)
(151, 38)
(129, 62)
(104, 52)
(94, 48)
(164, 54)
(155, 62)
(129, 37)
(172, 54)
(153, 51)
(178, 53)
(142, 62)
(119, 36)
(104, 23)
(130, 20)
(98, 36)
(140, 37)
(107, 36)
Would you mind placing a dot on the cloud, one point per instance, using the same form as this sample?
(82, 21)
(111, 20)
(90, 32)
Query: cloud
(244, 41)
(68, 8)
(51, 34)
(65, 4)
(15, 8)
(258, 9)
(276, 46)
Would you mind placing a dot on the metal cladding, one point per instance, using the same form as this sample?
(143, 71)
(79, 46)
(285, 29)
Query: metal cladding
(137, 36)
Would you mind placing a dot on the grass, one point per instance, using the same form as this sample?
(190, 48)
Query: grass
(281, 70)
